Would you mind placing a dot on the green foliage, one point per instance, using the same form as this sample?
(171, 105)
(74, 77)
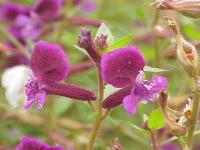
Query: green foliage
(156, 120)
(119, 43)
(103, 29)
(151, 69)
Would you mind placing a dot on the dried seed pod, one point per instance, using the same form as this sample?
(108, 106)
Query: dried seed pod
(189, 8)
(175, 128)
(186, 52)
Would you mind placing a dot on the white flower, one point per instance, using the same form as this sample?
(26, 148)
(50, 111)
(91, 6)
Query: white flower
(13, 80)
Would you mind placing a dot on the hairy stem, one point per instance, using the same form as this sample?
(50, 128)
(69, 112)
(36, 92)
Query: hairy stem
(98, 119)
(194, 118)
(154, 143)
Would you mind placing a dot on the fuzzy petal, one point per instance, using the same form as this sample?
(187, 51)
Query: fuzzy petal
(9, 11)
(130, 103)
(116, 98)
(67, 90)
(48, 9)
(28, 143)
(49, 62)
(120, 66)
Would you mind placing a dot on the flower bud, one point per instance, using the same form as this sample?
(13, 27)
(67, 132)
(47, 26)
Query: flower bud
(116, 145)
(85, 41)
(101, 42)
(189, 8)
(186, 52)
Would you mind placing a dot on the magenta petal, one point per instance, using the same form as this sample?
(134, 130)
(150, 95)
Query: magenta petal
(49, 62)
(28, 143)
(48, 9)
(120, 66)
(67, 90)
(116, 98)
(159, 83)
(130, 103)
(9, 11)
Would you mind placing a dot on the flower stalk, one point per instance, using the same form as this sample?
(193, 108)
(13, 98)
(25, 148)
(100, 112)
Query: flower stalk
(194, 118)
(98, 119)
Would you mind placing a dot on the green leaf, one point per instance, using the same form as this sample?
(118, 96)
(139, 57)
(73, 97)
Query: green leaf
(103, 29)
(145, 117)
(61, 105)
(120, 43)
(156, 120)
(109, 89)
(151, 69)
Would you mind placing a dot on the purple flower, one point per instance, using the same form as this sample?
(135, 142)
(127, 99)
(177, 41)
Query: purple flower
(9, 11)
(144, 91)
(122, 68)
(86, 5)
(49, 65)
(170, 146)
(48, 9)
(28, 143)
(26, 27)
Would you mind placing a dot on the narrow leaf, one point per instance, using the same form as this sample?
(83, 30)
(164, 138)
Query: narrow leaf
(151, 69)
(120, 43)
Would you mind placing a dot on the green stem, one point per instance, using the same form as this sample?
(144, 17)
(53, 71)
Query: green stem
(13, 39)
(194, 118)
(155, 42)
(98, 119)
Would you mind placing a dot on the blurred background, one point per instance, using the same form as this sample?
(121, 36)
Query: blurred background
(68, 123)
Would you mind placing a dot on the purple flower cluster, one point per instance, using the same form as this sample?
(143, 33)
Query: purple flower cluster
(28, 143)
(28, 22)
(49, 65)
(122, 68)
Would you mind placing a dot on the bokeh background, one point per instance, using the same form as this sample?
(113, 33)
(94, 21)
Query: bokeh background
(67, 122)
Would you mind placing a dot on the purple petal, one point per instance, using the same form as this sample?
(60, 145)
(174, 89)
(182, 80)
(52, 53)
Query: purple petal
(49, 62)
(159, 82)
(116, 98)
(170, 146)
(130, 103)
(149, 90)
(29, 27)
(121, 66)
(9, 11)
(48, 9)
(34, 93)
(28, 143)
(68, 91)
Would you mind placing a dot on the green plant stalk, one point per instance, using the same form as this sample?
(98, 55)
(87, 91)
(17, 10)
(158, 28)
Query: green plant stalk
(98, 119)
(155, 42)
(13, 39)
(194, 118)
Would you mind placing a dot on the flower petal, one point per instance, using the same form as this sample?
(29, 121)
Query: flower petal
(159, 82)
(130, 103)
(67, 90)
(49, 62)
(48, 9)
(120, 66)
(34, 93)
(116, 98)
(28, 143)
